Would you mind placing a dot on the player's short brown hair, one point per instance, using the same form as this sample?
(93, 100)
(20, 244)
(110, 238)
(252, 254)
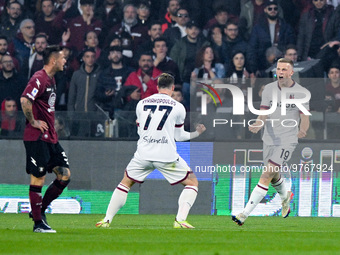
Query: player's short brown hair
(286, 60)
(49, 51)
(165, 80)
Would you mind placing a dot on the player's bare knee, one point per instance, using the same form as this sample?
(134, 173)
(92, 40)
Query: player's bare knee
(191, 180)
(127, 181)
(62, 172)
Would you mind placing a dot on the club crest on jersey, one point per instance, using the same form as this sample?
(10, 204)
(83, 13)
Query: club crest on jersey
(51, 102)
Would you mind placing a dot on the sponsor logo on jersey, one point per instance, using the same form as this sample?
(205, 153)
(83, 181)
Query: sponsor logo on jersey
(150, 139)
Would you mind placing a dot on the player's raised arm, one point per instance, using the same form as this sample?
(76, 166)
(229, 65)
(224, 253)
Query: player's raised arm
(182, 135)
(304, 125)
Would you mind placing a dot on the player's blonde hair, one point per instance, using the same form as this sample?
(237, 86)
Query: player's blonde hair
(165, 80)
(286, 60)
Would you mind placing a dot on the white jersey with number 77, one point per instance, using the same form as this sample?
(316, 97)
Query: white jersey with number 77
(158, 117)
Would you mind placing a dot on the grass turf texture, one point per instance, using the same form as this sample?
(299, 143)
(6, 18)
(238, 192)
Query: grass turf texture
(153, 234)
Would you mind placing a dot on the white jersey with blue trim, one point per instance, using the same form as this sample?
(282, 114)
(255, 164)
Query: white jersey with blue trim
(282, 129)
(157, 118)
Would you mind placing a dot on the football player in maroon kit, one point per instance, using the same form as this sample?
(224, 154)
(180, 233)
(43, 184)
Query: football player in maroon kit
(43, 151)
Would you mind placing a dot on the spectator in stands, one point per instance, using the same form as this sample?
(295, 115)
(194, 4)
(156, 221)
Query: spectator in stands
(61, 128)
(333, 89)
(215, 37)
(269, 31)
(220, 18)
(91, 41)
(83, 84)
(185, 50)
(12, 84)
(332, 97)
(155, 31)
(69, 7)
(170, 16)
(64, 77)
(143, 13)
(231, 42)
(291, 52)
(177, 94)
(110, 13)
(145, 78)
(45, 23)
(207, 66)
(330, 55)
(130, 26)
(317, 27)
(251, 12)
(23, 43)
(184, 54)
(162, 61)
(78, 26)
(178, 30)
(9, 124)
(272, 55)
(114, 40)
(111, 80)
(126, 100)
(238, 74)
(4, 51)
(35, 62)
(10, 22)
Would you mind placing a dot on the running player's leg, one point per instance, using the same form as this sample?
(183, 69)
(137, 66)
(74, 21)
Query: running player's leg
(118, 199)
(187, 198)
(136, 171)
(280, 155)
(179, 172)
(258, 193)
(59, 165)
(261, 188)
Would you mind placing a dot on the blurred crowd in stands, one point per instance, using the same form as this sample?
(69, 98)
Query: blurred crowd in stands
(116, 49)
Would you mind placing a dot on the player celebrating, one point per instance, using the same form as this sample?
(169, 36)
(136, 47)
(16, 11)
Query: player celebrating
(160, 122)
(43, 152)
(279, 141)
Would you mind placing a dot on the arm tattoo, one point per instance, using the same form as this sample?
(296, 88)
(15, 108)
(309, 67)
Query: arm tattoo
(27, 109)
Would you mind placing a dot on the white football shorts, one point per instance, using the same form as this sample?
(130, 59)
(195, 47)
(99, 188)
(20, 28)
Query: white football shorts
(174, 172)
(277, 154)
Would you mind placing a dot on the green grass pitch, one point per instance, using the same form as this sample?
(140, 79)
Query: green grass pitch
(153, 234)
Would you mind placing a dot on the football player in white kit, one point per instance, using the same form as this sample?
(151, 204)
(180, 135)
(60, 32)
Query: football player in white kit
(160, 121)
(280, 137)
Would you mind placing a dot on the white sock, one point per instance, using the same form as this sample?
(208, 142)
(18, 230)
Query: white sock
(256, 196)
(117, 201)
(286, 175)
(280, 187)
(185, 202)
